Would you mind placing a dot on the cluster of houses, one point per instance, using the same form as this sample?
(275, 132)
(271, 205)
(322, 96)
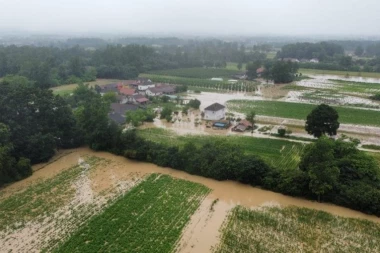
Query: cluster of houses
(132, 95)
(314, 60)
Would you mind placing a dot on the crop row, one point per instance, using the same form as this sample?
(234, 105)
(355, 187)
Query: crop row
(292, 229)
(243, 86)
(300, 111)
(203, 73)
(149, 218)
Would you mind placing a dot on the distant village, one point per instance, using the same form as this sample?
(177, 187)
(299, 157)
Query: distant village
(134, 94)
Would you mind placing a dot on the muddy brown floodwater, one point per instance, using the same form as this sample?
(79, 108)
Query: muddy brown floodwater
(230, 192)
(202, 232)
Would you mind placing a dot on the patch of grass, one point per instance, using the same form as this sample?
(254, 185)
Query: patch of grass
(233, 66)
(202, 73)
(357, 87)
(271, 55)
(292, 229)
(278, 153)
(41, 198)
(69, 88)
(149, 218)
(300, 111)
(371, 146)
(338, 73)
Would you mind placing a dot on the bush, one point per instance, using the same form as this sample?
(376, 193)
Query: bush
(281, 132)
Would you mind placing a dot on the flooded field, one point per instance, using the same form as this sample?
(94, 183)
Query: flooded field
(100, 181)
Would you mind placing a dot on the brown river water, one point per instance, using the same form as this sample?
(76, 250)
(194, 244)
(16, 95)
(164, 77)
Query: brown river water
(202, 232)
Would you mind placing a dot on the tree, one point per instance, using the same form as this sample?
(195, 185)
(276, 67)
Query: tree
(319, 162)
(323, 119)
(240, 65)
(251, 118)
(359, 51)
(166, 113)
(283, 71)
(110, 97)
(252, 69)
(139, 116)
(194, 103)
(39, 122)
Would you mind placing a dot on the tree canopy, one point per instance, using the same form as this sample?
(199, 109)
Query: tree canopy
(322, 120)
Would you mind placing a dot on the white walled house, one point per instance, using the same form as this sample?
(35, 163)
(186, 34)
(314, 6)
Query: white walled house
(215, 111)
(144, 87)
(151, 92)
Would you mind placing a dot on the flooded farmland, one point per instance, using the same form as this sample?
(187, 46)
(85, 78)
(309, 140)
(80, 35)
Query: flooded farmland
(117, 174)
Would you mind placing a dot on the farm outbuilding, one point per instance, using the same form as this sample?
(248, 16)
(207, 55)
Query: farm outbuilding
(215, 111)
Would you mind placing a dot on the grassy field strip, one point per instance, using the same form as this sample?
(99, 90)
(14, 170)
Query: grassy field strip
(292, 229)
(148, 218)
(357, 87)
(68, 88)
(338, 73)
(275, 152)
(203, 73)
(300, 111)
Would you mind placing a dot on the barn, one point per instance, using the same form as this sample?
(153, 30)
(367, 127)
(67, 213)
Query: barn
(215, 111)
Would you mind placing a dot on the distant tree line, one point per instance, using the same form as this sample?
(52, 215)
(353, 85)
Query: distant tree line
(332, 56)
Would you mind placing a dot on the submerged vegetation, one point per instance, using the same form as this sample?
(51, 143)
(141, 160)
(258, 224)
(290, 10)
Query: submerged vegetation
(150, 217)
(292, 229)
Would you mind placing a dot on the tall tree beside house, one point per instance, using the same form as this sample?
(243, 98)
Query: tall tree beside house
(322, 120)
(92, 118)
(251, 68)
(251, 118)
(283, 71)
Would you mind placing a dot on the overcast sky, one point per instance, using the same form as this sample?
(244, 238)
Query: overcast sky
(193, 17)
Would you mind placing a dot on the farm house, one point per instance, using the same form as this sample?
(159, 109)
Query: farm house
(215, 111)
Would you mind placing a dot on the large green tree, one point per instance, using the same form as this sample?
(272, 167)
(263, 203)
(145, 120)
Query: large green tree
(322, 120)
(319, 163)
(39, 122)
(11, 168)
(283, 71)
(251, 118)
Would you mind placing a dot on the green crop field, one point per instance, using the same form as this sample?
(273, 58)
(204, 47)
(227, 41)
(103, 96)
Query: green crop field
(279, 153)
(292, 229)
(300, 111)
(338, 73)
(247, 86)
(357, 87)
(149, 218)
(203, 73)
